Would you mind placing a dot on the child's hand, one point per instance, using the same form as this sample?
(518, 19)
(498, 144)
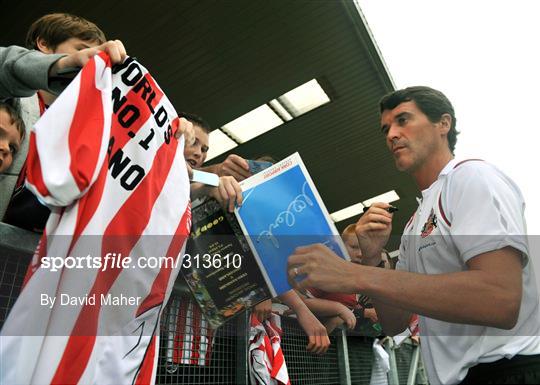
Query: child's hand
(348, 317)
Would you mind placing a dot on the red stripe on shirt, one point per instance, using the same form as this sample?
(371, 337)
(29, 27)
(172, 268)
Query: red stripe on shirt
(467, 160)
(269, 351)
(74, 359)
(33, 164)
(159, 286)
(441, 210)
(120, 237)
(279, 360)
(88, 204)
(87, 207)
(147, 368)
(86, 131)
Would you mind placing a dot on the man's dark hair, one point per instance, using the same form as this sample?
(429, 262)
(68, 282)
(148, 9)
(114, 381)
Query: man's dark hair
(196, 120)
(431, 102)
(12, 108)
(56, 28)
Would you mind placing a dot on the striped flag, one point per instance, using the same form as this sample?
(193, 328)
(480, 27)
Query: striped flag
(266, 361)
(102, 157)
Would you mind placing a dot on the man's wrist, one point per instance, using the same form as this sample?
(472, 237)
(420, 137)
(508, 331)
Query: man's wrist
(356, 278)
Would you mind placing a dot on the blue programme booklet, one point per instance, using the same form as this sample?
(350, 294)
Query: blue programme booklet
(282, 210)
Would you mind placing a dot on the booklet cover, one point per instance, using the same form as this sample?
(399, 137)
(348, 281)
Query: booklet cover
(234, 262)
(281, 211)
(218, 266)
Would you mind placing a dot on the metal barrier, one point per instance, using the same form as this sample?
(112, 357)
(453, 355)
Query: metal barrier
(360, 359)
(185, 359)
(304, 367)
(405, 363)
(16, 249)
(190, 353)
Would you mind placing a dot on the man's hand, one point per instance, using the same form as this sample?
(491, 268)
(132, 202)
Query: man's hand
(318, 341)
(373, 230)
(322, 269)
(348, 317)
(234, 166)
(114, 48)
(263, 309)
(227, 193)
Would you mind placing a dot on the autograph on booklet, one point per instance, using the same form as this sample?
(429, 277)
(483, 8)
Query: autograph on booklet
(298, 205)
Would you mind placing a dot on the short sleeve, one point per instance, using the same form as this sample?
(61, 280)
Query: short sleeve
(485, 209)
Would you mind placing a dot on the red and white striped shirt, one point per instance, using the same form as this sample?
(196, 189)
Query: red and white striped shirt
(266, 361)
(104, 159)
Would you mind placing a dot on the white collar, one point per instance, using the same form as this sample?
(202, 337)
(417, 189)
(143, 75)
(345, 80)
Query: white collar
(449, 167)
(446, 169)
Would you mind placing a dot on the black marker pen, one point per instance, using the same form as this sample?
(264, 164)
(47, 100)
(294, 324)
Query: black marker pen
(390, 209)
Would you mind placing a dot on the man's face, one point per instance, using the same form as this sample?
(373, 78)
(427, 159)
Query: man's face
(410, 135)
(196, 153)
(70, 46)
(10, 140)
(351, 243)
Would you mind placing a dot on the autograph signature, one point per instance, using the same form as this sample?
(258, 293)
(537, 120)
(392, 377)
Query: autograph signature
(287, 217)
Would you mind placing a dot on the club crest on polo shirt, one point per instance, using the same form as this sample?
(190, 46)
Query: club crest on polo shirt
(430, 224)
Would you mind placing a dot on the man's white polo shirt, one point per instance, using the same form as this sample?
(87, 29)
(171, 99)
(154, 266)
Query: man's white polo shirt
(472, 208)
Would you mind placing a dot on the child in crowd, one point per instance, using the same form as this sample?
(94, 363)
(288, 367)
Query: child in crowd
(11, 133)
(228, 192)
(56, 42)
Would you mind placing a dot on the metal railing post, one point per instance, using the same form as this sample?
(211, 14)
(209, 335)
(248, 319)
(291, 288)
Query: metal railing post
(393, 378)
(411, 380)
(343, 358)
(242, 341)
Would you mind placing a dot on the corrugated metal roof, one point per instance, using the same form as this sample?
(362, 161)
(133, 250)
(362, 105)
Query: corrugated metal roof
(221, 59)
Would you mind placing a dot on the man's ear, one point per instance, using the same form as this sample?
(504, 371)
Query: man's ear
(43, 46)
(445, 124)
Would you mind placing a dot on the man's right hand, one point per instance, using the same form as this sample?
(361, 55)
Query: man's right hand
(373, 230)
(234, 166)
(114, 48)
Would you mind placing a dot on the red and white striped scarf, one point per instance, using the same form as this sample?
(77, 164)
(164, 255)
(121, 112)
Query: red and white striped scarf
(266, 361)
(103, 159)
